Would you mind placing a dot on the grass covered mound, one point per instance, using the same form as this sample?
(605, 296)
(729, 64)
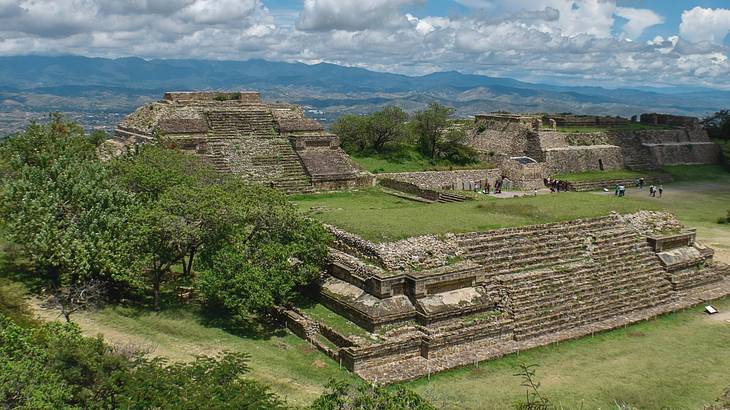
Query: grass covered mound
(409, 160)
(380, 217)
(602, 175)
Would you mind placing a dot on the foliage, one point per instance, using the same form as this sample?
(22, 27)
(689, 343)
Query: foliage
(439, 138)
(534, 400)
(55, 366)
(718, 125)
(374, 132)
(429, 126)
(272, 251)
(360, 396)
(408, 159)
(63, 206)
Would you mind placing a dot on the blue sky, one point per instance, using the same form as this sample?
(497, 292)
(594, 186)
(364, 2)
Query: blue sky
(613, 43)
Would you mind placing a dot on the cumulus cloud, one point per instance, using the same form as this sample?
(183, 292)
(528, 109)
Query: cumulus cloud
(351, 15)
(638, 20)
(571, 41)
(701, 24)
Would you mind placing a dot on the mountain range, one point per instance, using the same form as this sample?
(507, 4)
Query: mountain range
(75, 84)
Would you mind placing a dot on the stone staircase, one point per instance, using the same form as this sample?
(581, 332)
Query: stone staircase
(245, 142)
(510, 250)
(636, 156)
(250, 121)
(617, 274)
(445, 197)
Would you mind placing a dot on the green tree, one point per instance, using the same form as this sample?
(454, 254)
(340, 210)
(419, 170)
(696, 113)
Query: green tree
(374, 132)
(360, 396)
(63, 207)
(271, 250)
(718, 125)
(353, 132)
(429, 126)
(54, 366)
(387, 126)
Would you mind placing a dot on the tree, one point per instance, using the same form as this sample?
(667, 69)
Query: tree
(63, 206)
(54, 366)
(386, 126)
(270, 251)
(718, 125)
(429, 126)
(76, 297)
(373, 132)
(453, 148)
(360, 396)
(353, 132)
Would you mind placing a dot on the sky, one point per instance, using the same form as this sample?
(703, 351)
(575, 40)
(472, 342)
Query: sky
(609, 43)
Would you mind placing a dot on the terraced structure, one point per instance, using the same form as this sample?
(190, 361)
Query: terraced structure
(436, 302)
(268, 143)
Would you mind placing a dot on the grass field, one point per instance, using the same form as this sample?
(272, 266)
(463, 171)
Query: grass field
(381, 217)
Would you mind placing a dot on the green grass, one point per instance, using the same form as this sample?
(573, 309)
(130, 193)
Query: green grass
(697, 173)
(601, 175)
(323, 315)
(408, 161)
(678, 361)
(293, 368)
(379, 217)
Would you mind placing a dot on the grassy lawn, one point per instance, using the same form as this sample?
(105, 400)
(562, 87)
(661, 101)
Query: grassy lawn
(380, 217)
(601, 175)
(678, 361)
(408, 161)
(322, 314)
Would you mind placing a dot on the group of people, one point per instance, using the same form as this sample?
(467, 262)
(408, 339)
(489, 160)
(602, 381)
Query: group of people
(654, 189)
(555, 185)
(488, 187)
(620, 190)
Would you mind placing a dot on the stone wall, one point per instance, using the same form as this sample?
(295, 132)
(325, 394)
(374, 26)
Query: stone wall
(569, 120)
(193, 96)
(670, 120)
(524, 176)
(444, 179)
(585, 158)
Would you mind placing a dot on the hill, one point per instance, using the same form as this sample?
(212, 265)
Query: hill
(97, 91)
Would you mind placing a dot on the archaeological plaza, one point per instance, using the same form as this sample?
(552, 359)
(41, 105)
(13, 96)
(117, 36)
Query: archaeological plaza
(426, 303)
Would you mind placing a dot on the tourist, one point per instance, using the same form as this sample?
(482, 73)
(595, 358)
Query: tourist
(637, 182)
(615, 192)
(661, 190)
(641, 183)
(652, 191)
(621, 190)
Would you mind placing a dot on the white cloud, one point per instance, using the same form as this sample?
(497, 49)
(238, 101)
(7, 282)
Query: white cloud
(533, 40)
(351, 15)
(701, 24)
(638, 20)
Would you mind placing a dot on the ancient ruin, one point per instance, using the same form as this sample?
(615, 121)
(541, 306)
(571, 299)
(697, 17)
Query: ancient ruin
(269, 143)
(437, 302)
(577, 143)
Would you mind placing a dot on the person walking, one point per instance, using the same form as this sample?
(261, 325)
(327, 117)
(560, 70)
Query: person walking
(621, 190)
(661, 190)
(615, 192)
(651, 190)
(641, 183)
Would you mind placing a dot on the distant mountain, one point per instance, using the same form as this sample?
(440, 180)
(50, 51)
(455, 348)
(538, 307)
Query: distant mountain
(80, 84)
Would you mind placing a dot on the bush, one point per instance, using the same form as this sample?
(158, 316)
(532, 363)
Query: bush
(360, 396)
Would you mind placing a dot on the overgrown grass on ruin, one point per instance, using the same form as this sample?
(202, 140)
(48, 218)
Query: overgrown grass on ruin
(624, 127)
(602, 175)
(408, 160)
(677, 361)
(381, 217)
